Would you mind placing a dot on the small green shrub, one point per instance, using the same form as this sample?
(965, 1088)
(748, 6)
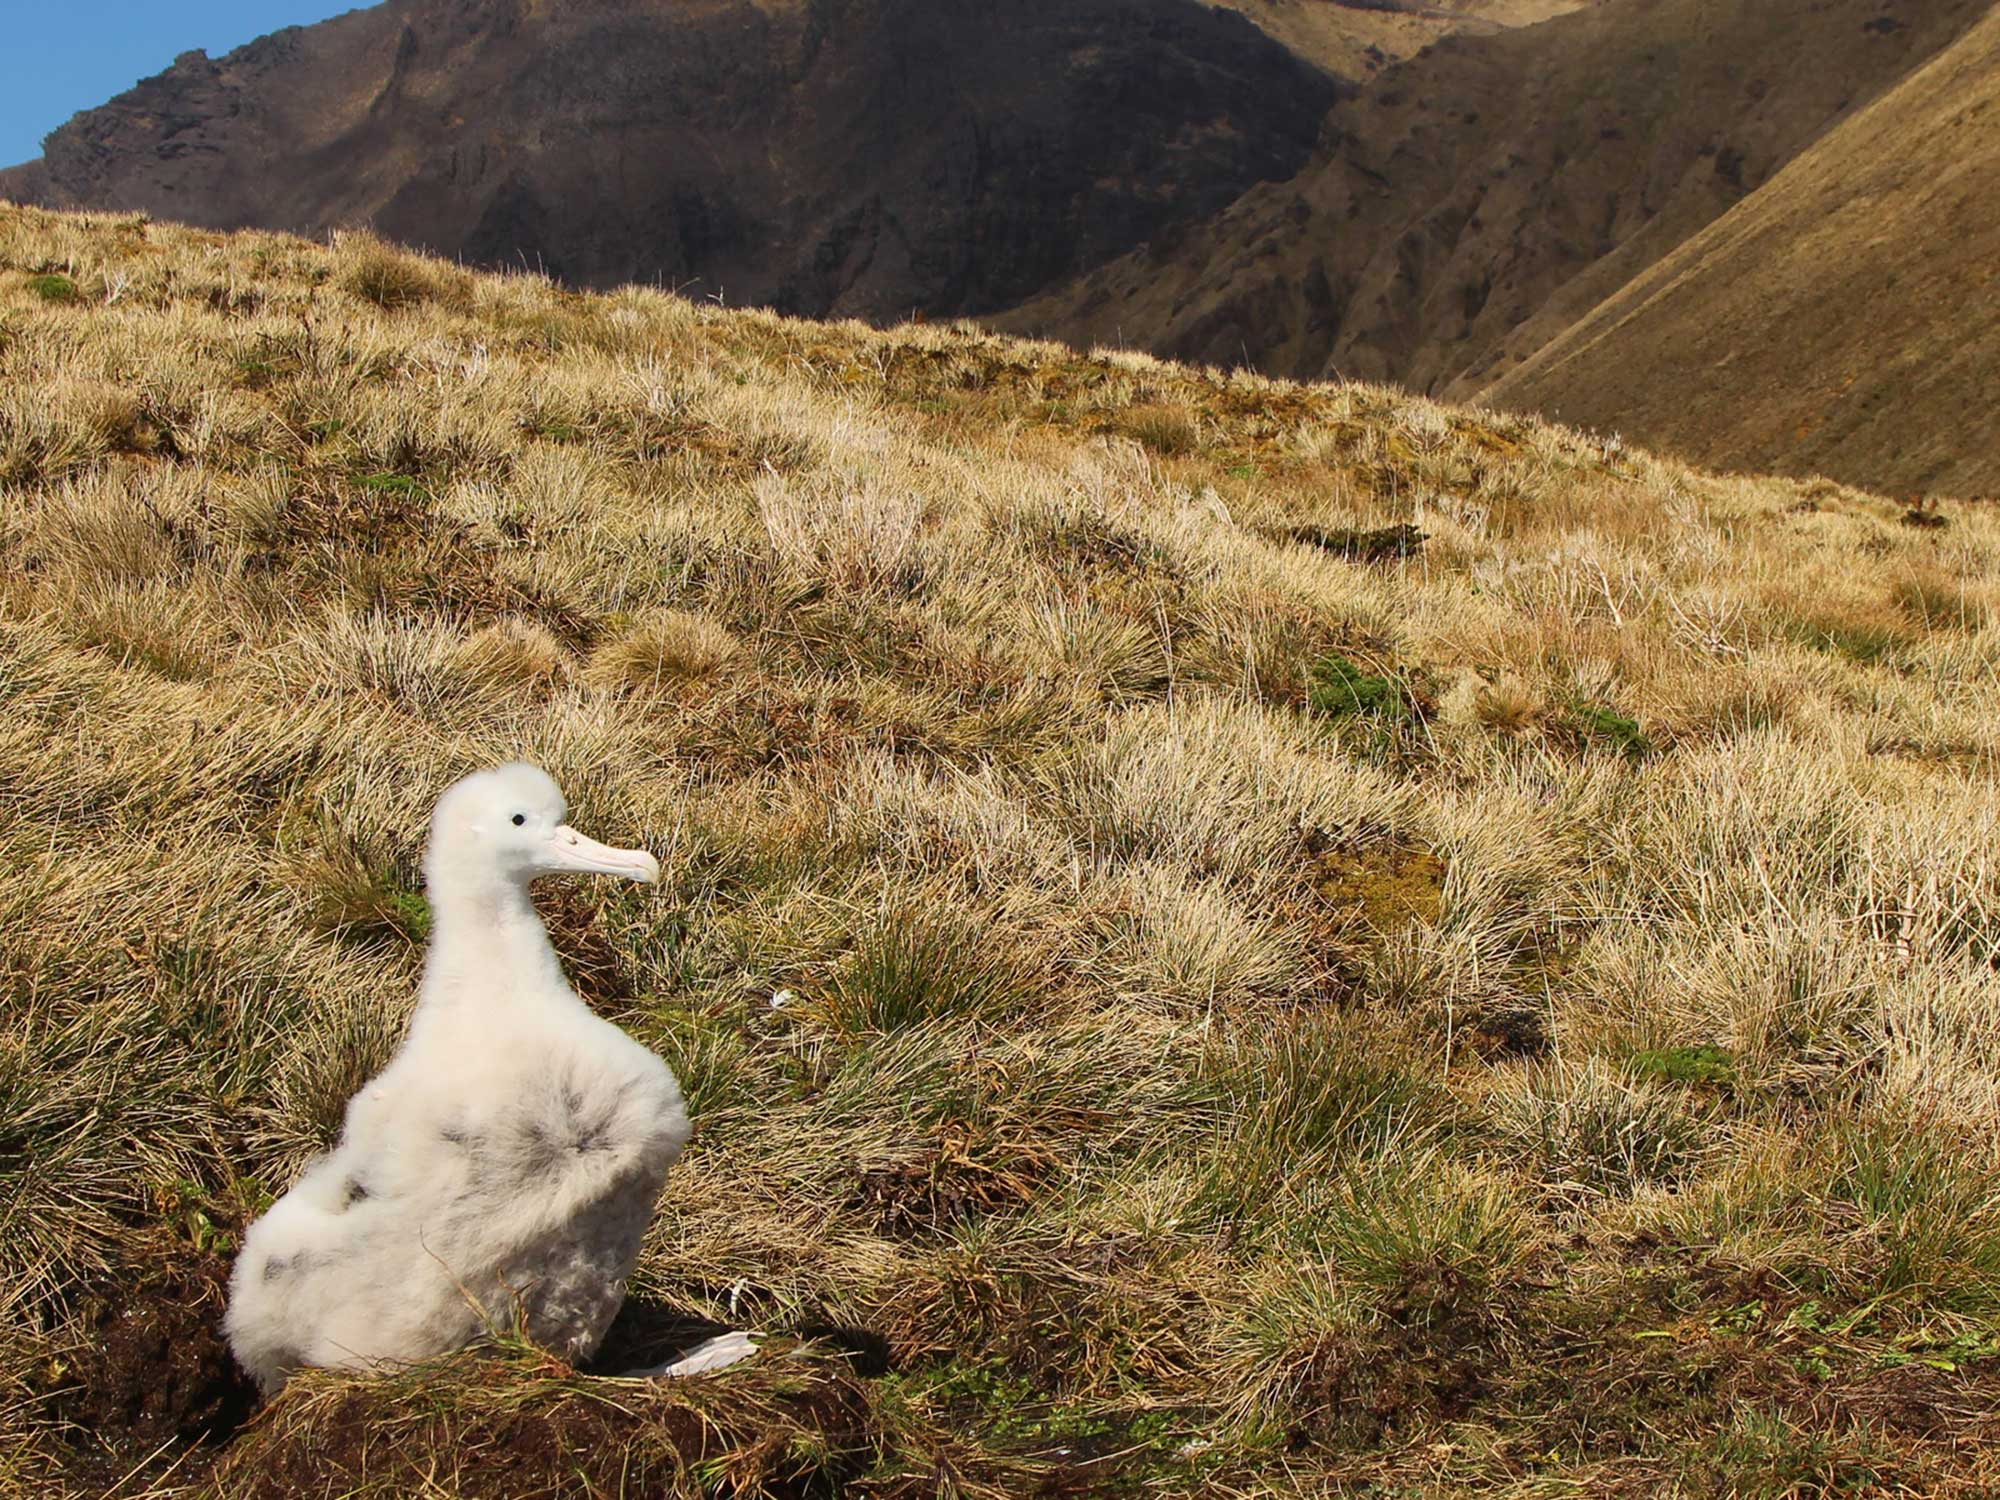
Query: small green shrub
(54, 287)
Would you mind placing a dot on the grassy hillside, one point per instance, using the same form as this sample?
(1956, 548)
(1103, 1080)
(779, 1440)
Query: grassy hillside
(1223, 937)
(1891, 213)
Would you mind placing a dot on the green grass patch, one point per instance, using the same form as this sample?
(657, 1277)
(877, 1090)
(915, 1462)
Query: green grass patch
(1311, 1100)
(1867, 645)
(1929, 1211)
(913, 965)
(365, 899)
(390, 484)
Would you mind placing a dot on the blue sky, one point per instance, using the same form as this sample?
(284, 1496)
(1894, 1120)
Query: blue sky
(57, 58)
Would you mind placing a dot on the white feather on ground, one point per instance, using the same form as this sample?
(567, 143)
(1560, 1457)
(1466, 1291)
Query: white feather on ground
(718, 1353)
(501, 1170)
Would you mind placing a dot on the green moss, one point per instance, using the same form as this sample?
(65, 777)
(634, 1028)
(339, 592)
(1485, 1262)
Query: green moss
(1706, 1064)
(54, 287)
(1596, 722)
(412, 913)
(1337, 687)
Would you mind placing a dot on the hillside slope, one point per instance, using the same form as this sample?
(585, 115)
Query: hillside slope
(1222, 937)
(1845, 319)
(1479, 198)
(862, 157)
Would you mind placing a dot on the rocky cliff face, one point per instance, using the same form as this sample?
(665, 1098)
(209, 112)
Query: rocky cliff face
(828, 157)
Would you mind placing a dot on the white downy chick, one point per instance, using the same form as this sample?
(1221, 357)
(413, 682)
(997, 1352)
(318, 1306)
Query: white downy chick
(504, 1165)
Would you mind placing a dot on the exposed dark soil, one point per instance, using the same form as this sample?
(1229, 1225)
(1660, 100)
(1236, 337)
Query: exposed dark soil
(1386, 544)
(156, 1373)
(960, 1176)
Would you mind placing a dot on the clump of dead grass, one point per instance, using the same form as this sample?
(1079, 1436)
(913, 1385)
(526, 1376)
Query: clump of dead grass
(789, 1426)
(662, 651)
(511, 653)
(394, 279)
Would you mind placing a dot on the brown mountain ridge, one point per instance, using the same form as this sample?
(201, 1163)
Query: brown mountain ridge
(827, 157)
(1474, 202)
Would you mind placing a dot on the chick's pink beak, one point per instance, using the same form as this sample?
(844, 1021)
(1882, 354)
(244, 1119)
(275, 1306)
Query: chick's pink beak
(570, 850)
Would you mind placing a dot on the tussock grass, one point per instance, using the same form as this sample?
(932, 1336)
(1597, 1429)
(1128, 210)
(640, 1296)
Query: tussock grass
(1177, 996)
(662, 653)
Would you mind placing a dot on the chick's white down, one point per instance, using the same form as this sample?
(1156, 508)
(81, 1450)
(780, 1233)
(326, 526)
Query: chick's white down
(502, 1168)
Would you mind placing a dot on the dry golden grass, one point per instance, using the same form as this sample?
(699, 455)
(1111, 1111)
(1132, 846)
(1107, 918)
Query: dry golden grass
(1516, 1016)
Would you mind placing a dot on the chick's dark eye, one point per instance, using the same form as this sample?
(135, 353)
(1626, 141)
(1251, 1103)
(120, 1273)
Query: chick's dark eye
(519, 819)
